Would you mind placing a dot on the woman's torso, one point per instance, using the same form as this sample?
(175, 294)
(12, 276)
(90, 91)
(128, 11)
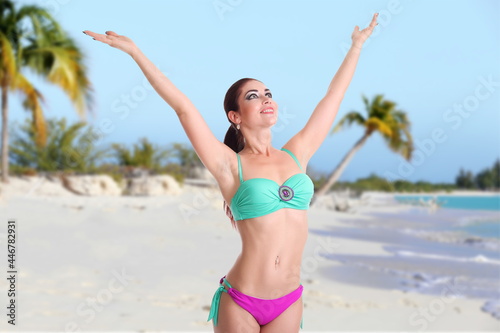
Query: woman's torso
(272, 245)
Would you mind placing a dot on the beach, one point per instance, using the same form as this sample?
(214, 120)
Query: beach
(153, 263)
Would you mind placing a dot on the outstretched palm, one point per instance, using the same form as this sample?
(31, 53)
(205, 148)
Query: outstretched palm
(360, 36)
(113, 39)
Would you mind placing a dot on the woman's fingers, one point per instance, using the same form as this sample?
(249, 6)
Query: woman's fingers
(107, 38)
(96, 36)
(112, 39)
(112, 33)
(373, 23)
(90, 33)
(360, 36)
(228, 211)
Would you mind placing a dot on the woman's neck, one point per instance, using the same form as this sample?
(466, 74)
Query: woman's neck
(258, 143)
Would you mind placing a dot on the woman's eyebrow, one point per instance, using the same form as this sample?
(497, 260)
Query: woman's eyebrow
(255, 90)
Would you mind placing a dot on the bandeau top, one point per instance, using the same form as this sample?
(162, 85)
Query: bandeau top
(261, 196)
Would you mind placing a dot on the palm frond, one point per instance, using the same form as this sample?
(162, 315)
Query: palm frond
(32, 102)
(7, 60)
(350, 118)
(366, 102)
(67, 148)
(40, 19)
(377, 124)
(62, 66)
(69, 135)
(30, 37)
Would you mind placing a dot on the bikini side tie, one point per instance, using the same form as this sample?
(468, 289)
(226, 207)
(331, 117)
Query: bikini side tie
(214, 308)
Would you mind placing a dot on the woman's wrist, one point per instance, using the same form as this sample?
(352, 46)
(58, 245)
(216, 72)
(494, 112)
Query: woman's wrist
(134, 52)
(356, 48)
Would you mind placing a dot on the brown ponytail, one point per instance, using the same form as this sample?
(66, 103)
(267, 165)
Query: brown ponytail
(234, 139)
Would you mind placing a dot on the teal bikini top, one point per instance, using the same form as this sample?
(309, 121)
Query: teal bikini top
(261, 196)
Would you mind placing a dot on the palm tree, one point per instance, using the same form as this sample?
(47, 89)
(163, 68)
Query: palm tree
(187, 156)
(143, 155)
(67, 148)
(31, 38)
(382, 117)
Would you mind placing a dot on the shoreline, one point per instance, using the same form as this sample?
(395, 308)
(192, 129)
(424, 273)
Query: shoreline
(357, 259)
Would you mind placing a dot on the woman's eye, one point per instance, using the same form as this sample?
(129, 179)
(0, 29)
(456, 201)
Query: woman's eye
(255, 95)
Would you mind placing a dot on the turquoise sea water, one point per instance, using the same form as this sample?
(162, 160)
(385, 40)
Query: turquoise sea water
(429, 249)
(491, 202)
(481, 228)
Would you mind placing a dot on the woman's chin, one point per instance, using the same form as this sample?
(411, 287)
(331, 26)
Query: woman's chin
(272, 120)
(271, 124)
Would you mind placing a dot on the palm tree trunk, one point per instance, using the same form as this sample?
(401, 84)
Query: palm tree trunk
(340, 168)
(5, 143)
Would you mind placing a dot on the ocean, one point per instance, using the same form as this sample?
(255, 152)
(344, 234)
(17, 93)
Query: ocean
(490, 202)
(489, 228)
(429, 248)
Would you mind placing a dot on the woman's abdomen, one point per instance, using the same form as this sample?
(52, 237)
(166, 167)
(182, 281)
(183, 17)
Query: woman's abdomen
(269, 265)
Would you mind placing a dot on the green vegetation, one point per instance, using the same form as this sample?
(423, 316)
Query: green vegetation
(144, 155)
(72, 149)
(376, 183)
(488, 179)
(186, 157)
(30, 38)
(67, 149)
(384, 118)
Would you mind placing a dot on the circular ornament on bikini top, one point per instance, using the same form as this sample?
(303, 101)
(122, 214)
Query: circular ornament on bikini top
(285, 193)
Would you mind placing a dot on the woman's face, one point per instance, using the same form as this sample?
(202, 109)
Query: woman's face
(257, 107)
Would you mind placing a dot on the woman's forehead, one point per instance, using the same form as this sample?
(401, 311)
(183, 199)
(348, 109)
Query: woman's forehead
(254, 85)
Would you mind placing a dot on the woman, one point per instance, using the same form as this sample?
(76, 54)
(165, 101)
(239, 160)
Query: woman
(267, 189)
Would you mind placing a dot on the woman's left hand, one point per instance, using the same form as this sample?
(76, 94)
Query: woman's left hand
(359, 37)
(228, 212)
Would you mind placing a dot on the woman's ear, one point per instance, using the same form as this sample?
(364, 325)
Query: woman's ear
(233, 116)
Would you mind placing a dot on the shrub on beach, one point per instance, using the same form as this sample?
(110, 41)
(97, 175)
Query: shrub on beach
(69, 148)
(22, 170)
(377, 183)
(72, 149)
(187, 159)
(146, 158)
(144, 155)
(175, 170)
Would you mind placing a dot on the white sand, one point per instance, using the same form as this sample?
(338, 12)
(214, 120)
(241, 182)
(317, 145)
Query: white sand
(170, 252)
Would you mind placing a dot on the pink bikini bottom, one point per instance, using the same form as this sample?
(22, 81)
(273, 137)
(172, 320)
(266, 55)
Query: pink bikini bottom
(263, 310)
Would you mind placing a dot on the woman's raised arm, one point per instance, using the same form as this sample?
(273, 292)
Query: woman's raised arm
(310, 138)
(214, 154)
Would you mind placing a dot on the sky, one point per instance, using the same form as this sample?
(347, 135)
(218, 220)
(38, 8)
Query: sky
(438, 60)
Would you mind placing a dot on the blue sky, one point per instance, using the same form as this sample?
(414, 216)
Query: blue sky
(438, 60)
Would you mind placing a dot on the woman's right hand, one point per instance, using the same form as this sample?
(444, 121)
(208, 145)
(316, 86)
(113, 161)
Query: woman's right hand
(113, 39)
(229, 213)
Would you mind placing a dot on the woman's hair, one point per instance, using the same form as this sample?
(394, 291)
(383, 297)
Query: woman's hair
(234, 139)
